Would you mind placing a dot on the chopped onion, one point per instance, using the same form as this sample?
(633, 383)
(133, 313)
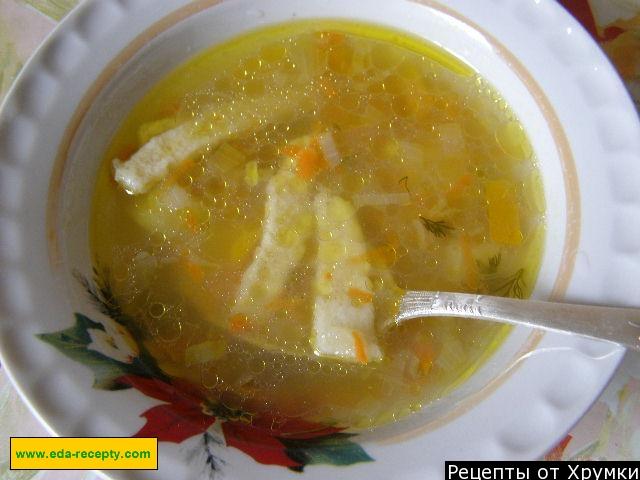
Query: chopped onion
(329, 149)
(174, 198)
(252, 175)
(421, 233)
(451, 137)
(204, 352)
(412, 153)
(226, 158)
(381, 199)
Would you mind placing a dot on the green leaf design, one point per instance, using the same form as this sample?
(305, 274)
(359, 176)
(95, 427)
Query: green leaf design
(73, 342)
(55, 9)
(334, 449)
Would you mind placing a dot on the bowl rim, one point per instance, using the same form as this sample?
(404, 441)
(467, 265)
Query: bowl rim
(6, 111)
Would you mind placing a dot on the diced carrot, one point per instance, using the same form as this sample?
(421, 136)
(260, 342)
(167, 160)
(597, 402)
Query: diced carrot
(239, 323)
(317, 129)
(282, 302)
(328, 276)
(329, 39)
(361, 351)
(310, 161)
(360, 296)
(181, 170)
(126, 152)
(170, 109)
(327, 87)
(195, 271)
(191, 221)
(340, 58)
(393, 238)
(383, 256)
(424, 350)
(472, 274)
(460, 186)
(291, 150)
(335, 38)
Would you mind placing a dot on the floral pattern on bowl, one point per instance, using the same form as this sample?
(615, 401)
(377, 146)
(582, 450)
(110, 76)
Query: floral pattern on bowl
(118, 362)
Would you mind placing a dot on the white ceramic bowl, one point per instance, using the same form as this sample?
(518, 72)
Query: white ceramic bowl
(72, 95)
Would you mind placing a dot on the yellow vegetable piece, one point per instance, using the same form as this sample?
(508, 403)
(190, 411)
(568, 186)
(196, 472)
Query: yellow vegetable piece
(512, 139)
(227, 157)
(151, 129)
(502, 210)
(245, 242)
(340, 58)
(204, 352)
(252, 176)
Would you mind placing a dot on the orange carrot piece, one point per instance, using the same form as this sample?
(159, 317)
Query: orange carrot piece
(239, 323)
(383, 256)
(291, 150)
(195, 271)
(282, 302)
(191, 221)
(425, 353)
(327, 87)
(310, 161)
(361, 351)
(461, 184)
(360, 296)
(170, 109)
(328, 276)
(181, 170)
(330, 39)
(335, 38)
(127, 151)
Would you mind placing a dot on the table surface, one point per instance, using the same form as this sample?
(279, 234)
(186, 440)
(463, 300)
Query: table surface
(611, 428)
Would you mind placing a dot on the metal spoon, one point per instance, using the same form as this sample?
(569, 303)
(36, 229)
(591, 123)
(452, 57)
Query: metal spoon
(619, 325)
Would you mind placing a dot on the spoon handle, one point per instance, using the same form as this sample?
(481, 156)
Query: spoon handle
(619, 325)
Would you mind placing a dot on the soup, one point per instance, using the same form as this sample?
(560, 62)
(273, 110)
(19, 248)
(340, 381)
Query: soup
(260, 212)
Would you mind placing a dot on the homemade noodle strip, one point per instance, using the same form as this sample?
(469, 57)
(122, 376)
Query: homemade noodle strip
(153, 161)
(287, 226)
(343, 316)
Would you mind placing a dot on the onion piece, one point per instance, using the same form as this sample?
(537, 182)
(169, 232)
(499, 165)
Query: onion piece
(329, 149)
(381, 199)
(451, 138)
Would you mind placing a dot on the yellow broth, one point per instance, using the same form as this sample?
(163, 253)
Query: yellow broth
(447, 194)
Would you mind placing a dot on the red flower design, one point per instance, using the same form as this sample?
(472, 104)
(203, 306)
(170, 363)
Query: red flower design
(260, 439)
(183, 416)
(558, 451)
(180, 418)
(257, 443)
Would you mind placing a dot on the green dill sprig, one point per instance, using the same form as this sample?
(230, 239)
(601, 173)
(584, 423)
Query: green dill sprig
(494, 263)
(511, 286)
(404, 181)
(438, 228)
(491, 267)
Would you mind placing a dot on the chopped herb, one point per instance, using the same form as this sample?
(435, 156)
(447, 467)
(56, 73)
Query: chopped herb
(438, 228)
(491, 267)
(511, 286)
(494, 262)
(405, 181)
